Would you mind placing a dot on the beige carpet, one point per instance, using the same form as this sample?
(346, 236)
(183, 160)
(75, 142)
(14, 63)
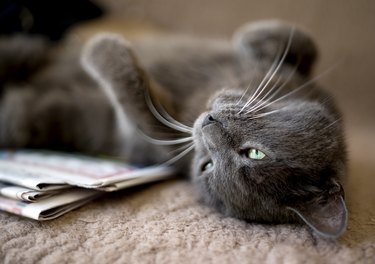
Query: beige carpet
(164, 223)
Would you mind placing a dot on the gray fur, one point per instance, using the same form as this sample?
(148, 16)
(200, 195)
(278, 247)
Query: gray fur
(206, 85)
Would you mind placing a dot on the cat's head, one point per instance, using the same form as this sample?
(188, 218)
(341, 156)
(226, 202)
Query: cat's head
(275, 168)
(281, 164)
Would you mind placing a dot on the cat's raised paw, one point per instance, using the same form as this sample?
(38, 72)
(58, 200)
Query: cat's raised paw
(269, 39)
(109, 56)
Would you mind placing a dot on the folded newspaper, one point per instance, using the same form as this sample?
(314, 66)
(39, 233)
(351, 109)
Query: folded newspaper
(44, 185)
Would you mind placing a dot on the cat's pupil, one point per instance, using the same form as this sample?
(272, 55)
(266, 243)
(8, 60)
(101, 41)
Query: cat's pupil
(255, 154)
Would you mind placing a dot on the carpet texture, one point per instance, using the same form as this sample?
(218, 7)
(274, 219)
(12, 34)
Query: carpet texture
(164, 223)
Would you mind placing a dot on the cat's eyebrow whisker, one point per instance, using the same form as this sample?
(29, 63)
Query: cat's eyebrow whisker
(163, 120)
(266, 114)
(272, 68)
(306, 84)
(245, 92)
(263, 102)
(251, 82)
(269, 79)
(179, 156)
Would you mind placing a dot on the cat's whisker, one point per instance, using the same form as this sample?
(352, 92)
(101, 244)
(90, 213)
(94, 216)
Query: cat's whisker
(279, 64)
(163, 120)
(252, 80)
(266, 114)
(251, 83)
(165, 114)
(168, 142)
(187, 145)
(306, 84)
(179, 156)
(263, 102)
(164, 142)
(272, 68)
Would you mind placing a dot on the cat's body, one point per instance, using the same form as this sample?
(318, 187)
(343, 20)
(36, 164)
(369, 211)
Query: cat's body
(268, 143)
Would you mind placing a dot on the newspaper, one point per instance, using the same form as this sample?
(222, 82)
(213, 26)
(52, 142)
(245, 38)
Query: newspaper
(23, 194)
(51, 207)
(43, 185)
(50, 171)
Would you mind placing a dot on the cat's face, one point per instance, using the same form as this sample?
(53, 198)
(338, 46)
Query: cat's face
(271, 168)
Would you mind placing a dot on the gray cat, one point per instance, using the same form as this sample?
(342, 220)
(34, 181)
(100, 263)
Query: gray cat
(263, 142)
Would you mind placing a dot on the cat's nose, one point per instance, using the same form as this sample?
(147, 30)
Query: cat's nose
(208, 120)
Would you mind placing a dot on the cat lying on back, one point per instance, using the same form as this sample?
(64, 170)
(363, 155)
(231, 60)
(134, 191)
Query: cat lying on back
(263, 142)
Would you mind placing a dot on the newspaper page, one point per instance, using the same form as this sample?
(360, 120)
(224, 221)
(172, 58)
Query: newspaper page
(44, 170)
(23, 194)
(20, 175)
(51, 207)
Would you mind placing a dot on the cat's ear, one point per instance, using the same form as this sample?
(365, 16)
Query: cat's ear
(265, 40)
(328, 218)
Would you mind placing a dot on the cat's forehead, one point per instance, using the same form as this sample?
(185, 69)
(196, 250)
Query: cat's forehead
(237, 105)
(226, 98)
(275, 125)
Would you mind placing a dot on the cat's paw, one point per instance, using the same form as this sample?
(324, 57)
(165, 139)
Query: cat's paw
(108, 56)
(267, 39)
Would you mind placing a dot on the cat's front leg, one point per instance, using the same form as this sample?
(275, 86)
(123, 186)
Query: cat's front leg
(109, 59)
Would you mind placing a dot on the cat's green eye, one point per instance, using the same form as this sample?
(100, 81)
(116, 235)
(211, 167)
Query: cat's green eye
(207, 166)
(255, 154)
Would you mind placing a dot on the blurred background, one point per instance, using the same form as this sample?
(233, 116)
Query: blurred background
(343, 30)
